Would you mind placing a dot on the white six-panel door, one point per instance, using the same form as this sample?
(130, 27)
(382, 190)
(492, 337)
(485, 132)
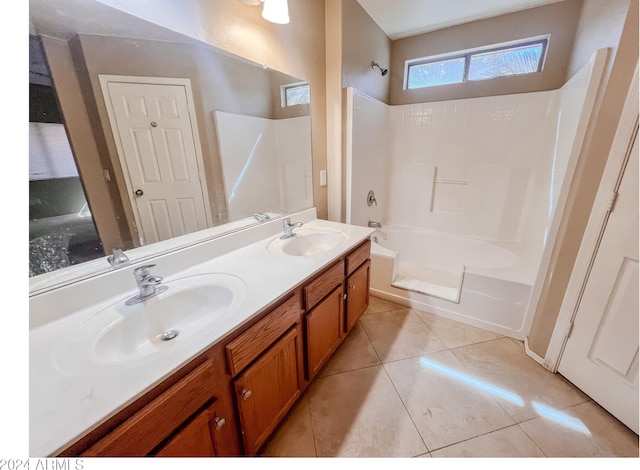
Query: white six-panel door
(601, 354)
(158, 145)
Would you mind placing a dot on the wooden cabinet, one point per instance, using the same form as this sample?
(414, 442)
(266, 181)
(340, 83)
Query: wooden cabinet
(324, 321)
(268, 389)
(318, 288)
(255, 340)
(276, 358)
(197, 438)
(324, 330)
(190, 413)
(266, 361)
(240, 389)
(356, 257)
(144, 431)
(357, 294)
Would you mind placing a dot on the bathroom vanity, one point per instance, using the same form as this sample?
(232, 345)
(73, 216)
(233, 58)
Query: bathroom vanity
(222, 389)
(212, 364)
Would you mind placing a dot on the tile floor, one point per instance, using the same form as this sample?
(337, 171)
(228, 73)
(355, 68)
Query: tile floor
(407, 383)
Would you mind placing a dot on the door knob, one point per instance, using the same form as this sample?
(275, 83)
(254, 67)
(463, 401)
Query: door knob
(246, 394)
(139, 192)
(219, 422)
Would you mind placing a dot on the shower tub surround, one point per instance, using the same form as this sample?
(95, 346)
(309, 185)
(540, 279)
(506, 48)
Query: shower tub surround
(262, 164)
(469, 194)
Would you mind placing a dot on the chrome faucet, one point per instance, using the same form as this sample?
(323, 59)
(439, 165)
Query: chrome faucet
(288, 227)
(374, 224)
(148, 285)
(117, 258)
(261, 216)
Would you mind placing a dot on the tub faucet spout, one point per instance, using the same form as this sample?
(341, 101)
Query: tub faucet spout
(374, 224)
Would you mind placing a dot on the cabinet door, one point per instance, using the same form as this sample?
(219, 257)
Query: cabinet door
(267, 390)
(357, 294)
(146, 429)
(324, 330)
(193, 440)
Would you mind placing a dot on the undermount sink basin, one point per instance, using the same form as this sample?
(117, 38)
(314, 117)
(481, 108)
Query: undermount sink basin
(121, 334)
(308, 242)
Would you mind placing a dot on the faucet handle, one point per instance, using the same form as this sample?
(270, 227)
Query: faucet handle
(142, 271)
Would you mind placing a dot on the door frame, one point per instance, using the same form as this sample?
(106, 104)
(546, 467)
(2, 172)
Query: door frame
(623, 141)
(186, 83)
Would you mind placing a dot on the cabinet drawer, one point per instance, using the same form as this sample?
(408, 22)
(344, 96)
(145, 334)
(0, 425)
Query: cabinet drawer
(317, 289)
(357, 257)
(245, 348)
(140, 434)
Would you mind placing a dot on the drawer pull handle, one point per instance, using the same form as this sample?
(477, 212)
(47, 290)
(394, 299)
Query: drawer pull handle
(246, 394)
(219, 422)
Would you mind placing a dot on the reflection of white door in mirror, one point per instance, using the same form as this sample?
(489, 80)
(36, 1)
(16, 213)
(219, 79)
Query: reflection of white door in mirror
(159, 150)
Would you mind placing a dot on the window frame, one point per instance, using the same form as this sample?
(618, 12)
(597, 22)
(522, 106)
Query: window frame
(468, 53)
(283, 93)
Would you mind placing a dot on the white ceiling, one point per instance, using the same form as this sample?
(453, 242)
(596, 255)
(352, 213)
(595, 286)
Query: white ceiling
(403, 18)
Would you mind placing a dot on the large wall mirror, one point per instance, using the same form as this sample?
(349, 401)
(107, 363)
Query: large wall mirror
(144, 140)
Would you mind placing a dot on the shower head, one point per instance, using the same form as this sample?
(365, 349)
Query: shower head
(382, 71)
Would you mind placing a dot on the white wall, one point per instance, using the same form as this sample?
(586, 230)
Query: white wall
(261, 163)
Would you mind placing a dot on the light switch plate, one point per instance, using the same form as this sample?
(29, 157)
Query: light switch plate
(323, 177)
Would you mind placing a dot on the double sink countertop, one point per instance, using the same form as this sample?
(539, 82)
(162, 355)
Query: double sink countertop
(76, 380)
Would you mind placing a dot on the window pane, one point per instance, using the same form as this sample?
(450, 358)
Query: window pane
(297, 95)
(436, 73)
(505, 62)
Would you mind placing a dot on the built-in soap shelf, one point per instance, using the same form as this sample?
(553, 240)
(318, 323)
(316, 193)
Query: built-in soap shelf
(446, 285)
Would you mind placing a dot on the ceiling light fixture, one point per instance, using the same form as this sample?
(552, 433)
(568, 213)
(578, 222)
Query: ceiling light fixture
(276, 11)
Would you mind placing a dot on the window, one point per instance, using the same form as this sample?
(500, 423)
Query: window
(501, 60)
(294, 94)
(441, 72)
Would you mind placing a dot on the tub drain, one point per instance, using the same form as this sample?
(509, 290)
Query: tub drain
(169, 335)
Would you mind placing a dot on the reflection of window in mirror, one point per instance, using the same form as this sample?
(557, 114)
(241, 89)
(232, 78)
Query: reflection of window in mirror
(295, 93)
(61, 229)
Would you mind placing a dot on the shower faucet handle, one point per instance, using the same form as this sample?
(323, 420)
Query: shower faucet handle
(371, 199)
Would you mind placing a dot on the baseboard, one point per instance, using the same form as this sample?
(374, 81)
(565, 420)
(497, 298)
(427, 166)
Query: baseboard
(540, 360)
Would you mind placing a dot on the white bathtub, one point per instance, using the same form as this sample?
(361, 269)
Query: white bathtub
(465, 279)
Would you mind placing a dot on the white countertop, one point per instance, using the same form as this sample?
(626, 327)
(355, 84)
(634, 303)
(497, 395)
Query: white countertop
(65, 405)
